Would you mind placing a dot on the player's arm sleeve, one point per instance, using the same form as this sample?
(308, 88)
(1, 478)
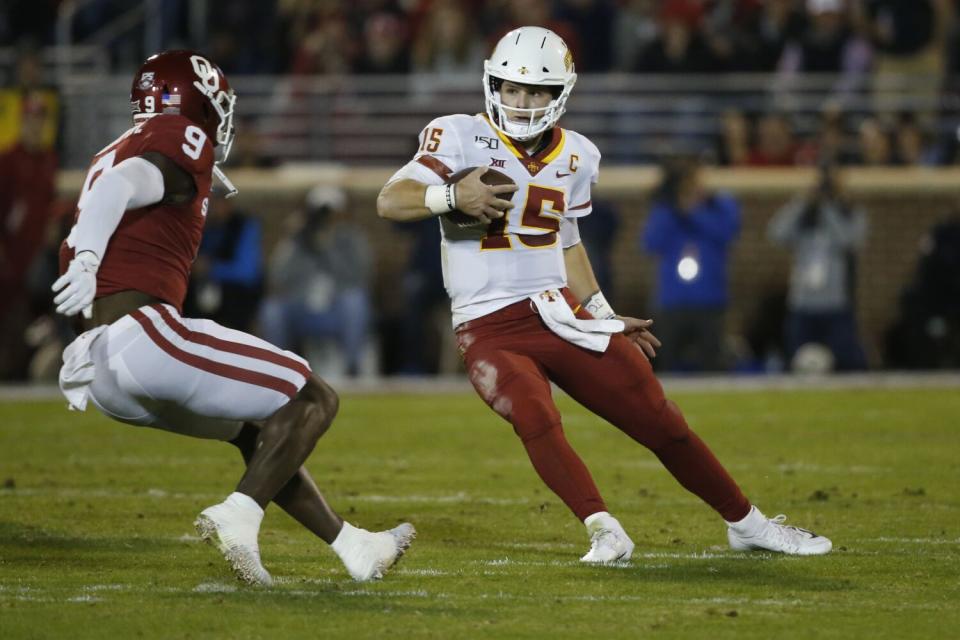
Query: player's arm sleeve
(132, 184)
(587, 175)
(440, 155)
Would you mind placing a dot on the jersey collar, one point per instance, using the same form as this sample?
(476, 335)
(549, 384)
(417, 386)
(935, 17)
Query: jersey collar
(535, 163)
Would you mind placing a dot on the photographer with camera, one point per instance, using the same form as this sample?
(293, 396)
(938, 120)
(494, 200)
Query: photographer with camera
(824, 231)
(691, 230)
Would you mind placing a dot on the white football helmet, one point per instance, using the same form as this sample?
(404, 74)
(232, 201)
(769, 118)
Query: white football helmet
(529, 55)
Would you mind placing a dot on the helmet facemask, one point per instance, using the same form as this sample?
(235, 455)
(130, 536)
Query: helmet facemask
(533, 121)
(223, 104)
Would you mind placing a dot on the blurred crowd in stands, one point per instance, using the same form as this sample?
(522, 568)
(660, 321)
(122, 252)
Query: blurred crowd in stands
(646, 36)
(313, 291)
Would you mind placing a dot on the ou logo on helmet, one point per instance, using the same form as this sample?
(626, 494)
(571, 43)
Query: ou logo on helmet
(209, 78)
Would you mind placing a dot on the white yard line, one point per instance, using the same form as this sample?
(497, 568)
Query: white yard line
(914, 540)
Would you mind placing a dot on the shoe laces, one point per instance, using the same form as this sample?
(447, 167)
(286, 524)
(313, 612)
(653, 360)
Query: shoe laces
(599, 537)
(789, 533)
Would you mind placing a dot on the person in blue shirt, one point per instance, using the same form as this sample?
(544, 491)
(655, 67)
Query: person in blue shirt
(690, 230)
(227, 278)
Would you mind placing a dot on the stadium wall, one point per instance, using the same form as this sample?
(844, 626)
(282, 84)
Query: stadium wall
(901, 204)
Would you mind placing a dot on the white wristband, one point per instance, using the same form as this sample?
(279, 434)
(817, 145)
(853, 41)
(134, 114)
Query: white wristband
(598, 307)
(440, 198)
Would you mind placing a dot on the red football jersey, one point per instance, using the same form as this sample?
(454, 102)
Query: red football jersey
(153, 248)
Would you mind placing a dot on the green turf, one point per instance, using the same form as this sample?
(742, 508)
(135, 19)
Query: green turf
(96, 537)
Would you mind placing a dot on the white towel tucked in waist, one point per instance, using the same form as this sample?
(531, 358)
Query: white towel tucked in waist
(77, 371)
(559, 318)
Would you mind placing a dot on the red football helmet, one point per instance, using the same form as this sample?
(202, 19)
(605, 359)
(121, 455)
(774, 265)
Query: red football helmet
(187, 83)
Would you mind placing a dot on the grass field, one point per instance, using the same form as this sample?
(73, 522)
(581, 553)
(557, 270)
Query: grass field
(96, 537)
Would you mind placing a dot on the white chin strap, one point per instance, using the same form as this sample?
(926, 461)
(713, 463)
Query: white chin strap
(532, 126)
(227, 184)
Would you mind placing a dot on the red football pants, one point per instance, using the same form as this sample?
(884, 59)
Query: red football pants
(511, 357)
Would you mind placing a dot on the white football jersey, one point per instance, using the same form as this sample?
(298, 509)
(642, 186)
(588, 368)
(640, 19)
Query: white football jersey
(488, 268)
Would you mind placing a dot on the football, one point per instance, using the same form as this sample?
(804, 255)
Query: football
(493, 178)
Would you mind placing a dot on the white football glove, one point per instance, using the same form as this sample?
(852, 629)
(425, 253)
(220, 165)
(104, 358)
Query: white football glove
(78, 285)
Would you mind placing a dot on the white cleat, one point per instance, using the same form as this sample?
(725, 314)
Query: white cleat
(368, 555)
(772, 535)
(608, 542)
(234, 532)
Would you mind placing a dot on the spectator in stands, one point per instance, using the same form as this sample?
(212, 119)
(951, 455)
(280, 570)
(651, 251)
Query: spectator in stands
(593, 21)
(321, 39)
(243, 38)
(250, 150)
(927, 333)
(824, 232)
(827, 43)
(874, 142)
(910, 146)
(318, 280)
(830, 144)
(539, 12)
(762, 30)
(28, 173)
(908, 37)
(775, 146)
(227, 278)
(733, 143)
(29, 86)
(385, 46)
(447, 41)
(635, 28)
(690, 230)
(680, 47)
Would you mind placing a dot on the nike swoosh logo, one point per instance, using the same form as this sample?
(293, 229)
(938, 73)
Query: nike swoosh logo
(562, 175)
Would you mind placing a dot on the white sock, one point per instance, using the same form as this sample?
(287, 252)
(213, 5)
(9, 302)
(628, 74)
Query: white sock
(750, 523)
(244, 503)
(345, 539)
(595, 517)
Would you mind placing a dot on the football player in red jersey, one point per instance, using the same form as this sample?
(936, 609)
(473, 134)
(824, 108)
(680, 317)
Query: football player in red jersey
(125, 266)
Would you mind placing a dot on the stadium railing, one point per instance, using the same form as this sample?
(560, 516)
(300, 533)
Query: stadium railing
(374, 120)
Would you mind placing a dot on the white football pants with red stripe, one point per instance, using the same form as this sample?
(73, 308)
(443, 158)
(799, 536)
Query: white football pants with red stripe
(154, 368)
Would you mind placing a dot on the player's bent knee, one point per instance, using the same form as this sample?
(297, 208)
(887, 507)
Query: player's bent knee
(534, 419)
(670, 426)
(323, 398)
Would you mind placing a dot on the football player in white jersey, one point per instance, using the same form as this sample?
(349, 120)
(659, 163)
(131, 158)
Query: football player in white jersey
(527, 309)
